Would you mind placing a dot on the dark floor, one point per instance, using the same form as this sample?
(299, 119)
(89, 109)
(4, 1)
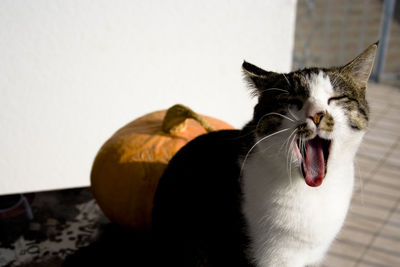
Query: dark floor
(53, 226)
(65, 228)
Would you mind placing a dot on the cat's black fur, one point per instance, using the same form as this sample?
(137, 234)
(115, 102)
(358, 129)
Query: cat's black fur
(197, 219)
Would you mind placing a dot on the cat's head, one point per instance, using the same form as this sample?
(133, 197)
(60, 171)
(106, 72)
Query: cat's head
(317, 113)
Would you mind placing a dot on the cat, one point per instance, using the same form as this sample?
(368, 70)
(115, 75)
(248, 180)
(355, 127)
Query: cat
(276, 192)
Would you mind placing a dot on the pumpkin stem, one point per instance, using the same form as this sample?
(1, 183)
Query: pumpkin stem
(175, 119)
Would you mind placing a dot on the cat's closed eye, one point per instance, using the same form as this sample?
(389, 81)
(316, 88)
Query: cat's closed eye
(336, 98)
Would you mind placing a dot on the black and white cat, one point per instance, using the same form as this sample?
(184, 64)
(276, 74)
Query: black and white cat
(275, 193)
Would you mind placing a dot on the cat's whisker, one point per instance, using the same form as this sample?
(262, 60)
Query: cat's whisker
(287, 147)
(290, 152)
(291, 114)
(276, 89)
(287, 79)
(290, 169)
(277, 114)
(287, 140)
(259, 141)
(288, 166)
(265, 149)
(358, 174)
(301, 147)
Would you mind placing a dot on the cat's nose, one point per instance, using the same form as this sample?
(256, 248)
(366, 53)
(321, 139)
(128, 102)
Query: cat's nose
(317, 117)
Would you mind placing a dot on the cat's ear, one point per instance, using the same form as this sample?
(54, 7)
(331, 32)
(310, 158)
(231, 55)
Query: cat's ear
(258, 78)
(359, 69)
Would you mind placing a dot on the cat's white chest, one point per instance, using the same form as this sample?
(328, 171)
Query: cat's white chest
(290, 223)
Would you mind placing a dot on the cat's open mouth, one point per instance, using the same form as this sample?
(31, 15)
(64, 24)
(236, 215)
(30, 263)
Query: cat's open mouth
(313, 155)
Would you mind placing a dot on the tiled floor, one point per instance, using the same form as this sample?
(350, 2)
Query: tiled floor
(371, 234)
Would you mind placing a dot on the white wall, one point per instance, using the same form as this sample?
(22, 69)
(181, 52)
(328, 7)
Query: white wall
(72, 72)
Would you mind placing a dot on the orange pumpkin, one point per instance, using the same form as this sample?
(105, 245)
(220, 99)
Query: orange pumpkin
(127, 168)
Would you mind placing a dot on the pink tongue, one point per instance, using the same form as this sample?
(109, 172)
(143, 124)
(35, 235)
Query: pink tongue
(314, 162)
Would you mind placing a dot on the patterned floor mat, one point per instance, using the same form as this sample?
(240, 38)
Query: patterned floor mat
(55, 225)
